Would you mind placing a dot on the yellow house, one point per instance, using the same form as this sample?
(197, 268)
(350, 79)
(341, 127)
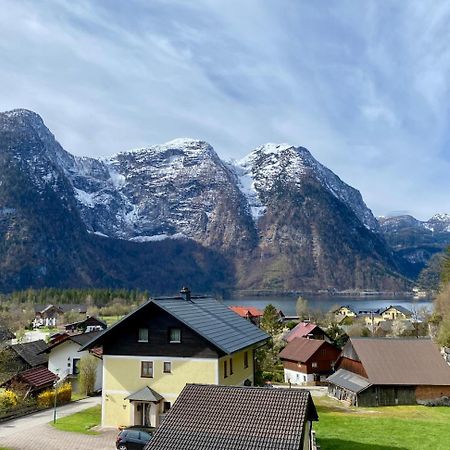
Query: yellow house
(396, 312)
(344, 311)
(152, 353)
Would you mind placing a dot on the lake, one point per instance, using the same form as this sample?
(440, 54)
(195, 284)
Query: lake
(326, 302)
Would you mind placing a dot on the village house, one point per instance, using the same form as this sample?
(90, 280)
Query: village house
(91, 323)
(306, 330)
(33, 381)
(308, 360)
(381, 372)
(64, 358)
(248, 312)
(28, 354)
(396, 312)
(372, 318)
(344, 311)
(53, 315)
(153, 352)
(239, 418)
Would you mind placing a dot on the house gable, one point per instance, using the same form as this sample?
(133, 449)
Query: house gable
(123, 339)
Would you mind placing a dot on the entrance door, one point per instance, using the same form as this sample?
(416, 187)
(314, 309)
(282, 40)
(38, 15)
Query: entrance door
(146, 409)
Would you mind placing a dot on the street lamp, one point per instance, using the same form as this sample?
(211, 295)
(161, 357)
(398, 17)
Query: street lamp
(55, 385)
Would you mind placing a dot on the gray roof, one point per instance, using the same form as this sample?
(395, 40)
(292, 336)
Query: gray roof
(400, 308)
(211, 417)
(64, 307)
(349, 380)
(146, 394)
(214, 321)
(208, 317)
(31, 352)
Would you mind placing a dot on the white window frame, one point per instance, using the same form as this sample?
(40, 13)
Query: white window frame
(140, 339)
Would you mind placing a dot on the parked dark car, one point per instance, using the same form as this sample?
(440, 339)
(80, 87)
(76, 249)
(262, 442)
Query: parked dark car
(133, 438)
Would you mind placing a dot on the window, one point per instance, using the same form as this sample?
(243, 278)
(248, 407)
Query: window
(143, 436)
(231, 366)
(245, 360)
(167, 367)
(147, 369)
(166, 407)
(143, 335)
(314, 365)
(175, 335)
(225, 371)
(75, 366)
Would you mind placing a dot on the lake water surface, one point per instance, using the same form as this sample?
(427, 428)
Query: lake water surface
(327, 302)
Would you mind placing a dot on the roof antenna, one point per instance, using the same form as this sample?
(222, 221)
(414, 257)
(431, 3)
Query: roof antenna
(186, 293)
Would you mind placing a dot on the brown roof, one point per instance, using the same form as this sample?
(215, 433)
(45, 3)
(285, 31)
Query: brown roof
(301, 349)
(209, 417)
(400, 361)
(36, 378)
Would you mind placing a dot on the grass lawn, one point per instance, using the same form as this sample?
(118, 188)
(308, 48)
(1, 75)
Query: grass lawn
(385, 428)
(80, 422)
(110, 320)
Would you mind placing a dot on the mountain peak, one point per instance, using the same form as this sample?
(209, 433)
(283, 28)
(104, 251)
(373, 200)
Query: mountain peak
(440, 217)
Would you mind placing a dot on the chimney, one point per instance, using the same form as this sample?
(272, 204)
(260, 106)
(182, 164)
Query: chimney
(186, 293)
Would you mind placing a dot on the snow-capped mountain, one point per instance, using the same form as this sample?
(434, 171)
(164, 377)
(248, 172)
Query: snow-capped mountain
(439, 223)
(416, 240)
(277, 219)
(271, 165)
(178, 189)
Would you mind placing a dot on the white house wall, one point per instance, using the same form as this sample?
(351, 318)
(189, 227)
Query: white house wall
(294, 377)
(60, 361)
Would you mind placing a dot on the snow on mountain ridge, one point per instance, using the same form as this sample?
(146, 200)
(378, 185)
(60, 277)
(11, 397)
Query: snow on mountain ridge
(270, 164)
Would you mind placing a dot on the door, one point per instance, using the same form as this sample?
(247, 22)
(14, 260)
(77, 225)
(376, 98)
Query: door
(146, 408)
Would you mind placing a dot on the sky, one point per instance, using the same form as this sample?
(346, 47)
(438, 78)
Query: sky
(364, 85)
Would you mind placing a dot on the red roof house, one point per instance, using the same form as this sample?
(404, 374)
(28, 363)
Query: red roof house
(36, 379)
(306, 329)
(248, 312)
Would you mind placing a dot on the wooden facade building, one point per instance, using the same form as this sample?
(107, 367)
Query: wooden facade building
(383, 372)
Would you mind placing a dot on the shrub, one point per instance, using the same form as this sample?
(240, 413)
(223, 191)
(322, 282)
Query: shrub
(8, 399)
(88, 374)
(47, 398)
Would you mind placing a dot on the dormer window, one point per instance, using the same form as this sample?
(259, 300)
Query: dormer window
(175, 335)
(143, 335)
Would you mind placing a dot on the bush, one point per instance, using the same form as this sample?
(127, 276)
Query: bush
(8, 399)
(88, 374)
(46, 398)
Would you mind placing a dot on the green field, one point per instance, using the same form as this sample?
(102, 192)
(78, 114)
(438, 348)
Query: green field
(80, 422)
(111, 320)
(384, 428)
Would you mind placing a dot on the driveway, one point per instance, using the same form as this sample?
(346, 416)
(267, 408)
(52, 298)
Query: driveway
(34, 432)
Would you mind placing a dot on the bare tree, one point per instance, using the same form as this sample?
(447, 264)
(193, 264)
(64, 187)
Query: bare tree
(88, 374)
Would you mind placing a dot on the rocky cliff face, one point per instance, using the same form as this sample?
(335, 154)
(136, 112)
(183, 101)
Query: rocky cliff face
(314, 230)
(414, 240)
(277, 219)
(177, 190)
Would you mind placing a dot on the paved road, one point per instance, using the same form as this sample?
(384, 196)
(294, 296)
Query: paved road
(34, 432)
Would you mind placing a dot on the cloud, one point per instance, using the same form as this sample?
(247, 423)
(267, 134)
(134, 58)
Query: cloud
(363, 85)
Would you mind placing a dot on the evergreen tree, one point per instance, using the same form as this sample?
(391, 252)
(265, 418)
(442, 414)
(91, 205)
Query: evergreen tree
(270, 321)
